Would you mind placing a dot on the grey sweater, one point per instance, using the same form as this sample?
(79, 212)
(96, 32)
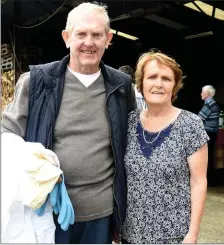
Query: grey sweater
(81, 142)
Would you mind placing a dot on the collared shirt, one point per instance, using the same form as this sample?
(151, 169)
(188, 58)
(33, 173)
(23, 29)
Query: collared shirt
(210, 115)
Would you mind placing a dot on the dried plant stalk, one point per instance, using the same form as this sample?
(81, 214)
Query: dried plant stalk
(7, 87)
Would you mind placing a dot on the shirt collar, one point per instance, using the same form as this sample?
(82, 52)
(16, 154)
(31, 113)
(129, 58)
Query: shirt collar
(208, 100)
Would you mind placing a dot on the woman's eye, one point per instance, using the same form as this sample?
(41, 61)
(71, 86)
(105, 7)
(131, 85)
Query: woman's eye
(166, 79)
(151, 77)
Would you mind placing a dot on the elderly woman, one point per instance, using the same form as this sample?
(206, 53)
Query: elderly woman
(166, 160)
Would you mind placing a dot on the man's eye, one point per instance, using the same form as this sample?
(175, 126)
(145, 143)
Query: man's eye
(97, 34)
(81, 34)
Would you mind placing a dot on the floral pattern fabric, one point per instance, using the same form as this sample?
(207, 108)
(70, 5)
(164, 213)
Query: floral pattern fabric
(158, 200)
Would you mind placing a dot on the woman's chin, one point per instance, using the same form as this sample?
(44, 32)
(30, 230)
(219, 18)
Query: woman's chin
(156, 102)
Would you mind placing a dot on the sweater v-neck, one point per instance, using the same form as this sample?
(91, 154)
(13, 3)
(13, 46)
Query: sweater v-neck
(76, 80)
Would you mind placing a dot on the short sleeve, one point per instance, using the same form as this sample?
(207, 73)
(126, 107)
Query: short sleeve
(195, 135)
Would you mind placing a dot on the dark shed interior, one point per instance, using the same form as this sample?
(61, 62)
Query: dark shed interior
(164, 25)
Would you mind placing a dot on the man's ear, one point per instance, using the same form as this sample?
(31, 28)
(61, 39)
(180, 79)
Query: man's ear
(109, 38)
(65, 36)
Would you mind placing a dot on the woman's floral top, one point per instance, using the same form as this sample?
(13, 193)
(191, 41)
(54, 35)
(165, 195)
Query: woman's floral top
(158, 178)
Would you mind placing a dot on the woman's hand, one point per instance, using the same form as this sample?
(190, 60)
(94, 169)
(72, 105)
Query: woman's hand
(116, 238)
(190, 238)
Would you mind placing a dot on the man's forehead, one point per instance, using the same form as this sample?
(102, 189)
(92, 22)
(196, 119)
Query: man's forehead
(89, 17)
(88, 24)
(88, 27)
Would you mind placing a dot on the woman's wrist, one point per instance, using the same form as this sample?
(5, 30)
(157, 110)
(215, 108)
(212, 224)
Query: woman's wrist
(193, 233)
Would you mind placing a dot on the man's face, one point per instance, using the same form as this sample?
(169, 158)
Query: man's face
(87, 41)
(204, 94)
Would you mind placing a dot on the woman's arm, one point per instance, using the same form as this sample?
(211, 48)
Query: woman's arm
(198, 181)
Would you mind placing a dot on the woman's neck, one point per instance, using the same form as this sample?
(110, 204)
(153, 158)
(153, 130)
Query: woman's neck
(155, 119)
(159, 111)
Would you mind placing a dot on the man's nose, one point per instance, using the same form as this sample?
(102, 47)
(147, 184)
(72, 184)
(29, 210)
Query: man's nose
(88, 40)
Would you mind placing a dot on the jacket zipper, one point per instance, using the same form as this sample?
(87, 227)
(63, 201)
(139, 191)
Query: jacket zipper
(114, 161)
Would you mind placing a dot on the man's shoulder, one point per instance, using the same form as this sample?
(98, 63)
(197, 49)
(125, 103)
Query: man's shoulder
(23, 80)
(45, 66)
(54, 68)
(212, 104)
(210, 101)
(118, 73)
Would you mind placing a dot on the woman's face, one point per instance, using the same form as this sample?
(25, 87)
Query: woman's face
(158, 83)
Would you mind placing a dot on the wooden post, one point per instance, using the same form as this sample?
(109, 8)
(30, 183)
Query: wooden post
(16, 36)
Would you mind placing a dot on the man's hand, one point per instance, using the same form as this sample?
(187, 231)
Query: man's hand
(59, 180)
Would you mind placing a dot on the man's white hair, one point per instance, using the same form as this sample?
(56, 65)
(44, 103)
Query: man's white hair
(210, 89)
(84, 8)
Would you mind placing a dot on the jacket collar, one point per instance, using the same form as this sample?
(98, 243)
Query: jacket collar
(112, 80)
(60, 67)
(209, 99)
(110, 75)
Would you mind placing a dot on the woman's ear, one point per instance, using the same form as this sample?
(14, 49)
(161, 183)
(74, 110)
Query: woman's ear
(65, 36)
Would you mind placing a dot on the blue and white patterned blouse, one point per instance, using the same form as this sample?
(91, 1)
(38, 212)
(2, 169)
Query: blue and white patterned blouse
(158, 179)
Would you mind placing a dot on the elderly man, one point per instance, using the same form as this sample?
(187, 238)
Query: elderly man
(78, 107)
(210, 116)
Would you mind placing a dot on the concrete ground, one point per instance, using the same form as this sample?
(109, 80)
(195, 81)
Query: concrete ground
(212, 227)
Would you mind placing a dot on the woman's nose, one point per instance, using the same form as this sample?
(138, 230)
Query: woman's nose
(158, 82)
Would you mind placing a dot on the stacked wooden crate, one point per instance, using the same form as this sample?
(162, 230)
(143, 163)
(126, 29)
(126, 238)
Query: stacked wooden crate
(6, 57)
(7, 75)
(28, 55)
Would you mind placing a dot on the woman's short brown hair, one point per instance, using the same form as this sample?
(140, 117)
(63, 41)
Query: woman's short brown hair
(162, 59)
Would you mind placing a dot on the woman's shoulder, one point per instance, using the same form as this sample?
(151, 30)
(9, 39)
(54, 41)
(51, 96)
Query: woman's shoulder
(190, 116)
(191, 120)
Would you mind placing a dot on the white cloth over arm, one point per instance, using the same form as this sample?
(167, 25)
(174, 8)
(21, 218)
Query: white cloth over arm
(25, 179)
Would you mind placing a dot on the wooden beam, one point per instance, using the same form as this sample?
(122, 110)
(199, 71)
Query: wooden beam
(201, 10)
(213, 12)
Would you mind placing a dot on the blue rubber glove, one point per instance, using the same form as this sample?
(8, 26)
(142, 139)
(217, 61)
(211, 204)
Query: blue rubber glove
(54, 195)
(40, 211)
(57, 206)
(61, 205)
(66, 213)
(54, 198)
(69, 216)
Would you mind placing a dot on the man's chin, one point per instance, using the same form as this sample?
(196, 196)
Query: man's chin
(90, 63)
